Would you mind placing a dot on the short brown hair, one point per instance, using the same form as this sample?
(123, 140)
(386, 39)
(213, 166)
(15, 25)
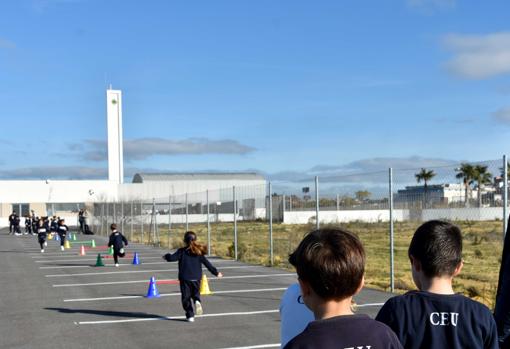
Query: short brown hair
(113, 226)
(438, 247)
(332, 261)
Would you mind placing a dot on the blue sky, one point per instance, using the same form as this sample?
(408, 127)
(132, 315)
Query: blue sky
(286, 88)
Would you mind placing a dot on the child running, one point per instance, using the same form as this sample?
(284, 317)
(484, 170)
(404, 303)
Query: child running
(41, 234)
(190, 258)
(118, 241)
(62, 231)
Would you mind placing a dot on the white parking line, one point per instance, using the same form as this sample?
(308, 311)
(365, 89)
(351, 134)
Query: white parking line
(144, 271)
(174, 317)
(173, 294)
(369, 305)
(145, 281)
(121, 265)
(276, 345)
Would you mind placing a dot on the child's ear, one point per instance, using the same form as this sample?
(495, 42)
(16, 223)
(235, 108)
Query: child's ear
(458, 268)
(361, 285)
(305, 287)
(415, 263)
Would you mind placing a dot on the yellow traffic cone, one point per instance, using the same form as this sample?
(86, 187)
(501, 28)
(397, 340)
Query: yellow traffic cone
(67, 244)
(204, 286)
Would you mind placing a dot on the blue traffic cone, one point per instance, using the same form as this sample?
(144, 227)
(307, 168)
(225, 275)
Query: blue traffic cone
(152, 292)
(57, 237)
(136, 260)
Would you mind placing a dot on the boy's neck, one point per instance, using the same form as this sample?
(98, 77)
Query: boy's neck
(332, 308)
(438, 285)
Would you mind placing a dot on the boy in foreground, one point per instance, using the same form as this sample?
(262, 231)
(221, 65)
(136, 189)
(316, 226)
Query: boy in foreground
(434, 316)
(330, 264)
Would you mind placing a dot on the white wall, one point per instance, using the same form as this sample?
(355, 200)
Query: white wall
(371, 216)
(56, 191)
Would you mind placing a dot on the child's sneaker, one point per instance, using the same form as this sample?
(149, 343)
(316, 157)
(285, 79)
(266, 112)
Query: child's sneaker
(190, 319)
(42, 250)
(61, 248)
(116, 264)
(198, 308)
(45, 243)
(121, 250)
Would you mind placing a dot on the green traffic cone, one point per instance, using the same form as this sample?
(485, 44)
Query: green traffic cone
(99, 262)
(110, 251)
(74, 237)
(93, 245)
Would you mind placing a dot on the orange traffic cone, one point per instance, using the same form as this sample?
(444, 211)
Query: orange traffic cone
(204, 286)
(82, 250)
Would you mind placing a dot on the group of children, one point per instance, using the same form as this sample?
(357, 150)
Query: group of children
(330, 266)
(53, 226)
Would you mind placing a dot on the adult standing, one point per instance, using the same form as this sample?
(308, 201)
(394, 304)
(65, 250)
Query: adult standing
(12, 219)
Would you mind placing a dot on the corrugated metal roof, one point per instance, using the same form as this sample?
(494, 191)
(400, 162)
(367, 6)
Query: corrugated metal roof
(159, 177)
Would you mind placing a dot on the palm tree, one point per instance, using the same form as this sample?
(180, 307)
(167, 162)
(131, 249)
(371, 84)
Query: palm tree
(482, 176)
(424, 176)
(466, 172)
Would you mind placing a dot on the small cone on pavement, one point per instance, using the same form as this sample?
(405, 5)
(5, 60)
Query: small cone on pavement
(82, 250)
(136, 260)
(67, 244)
(204, 286)
(110, 250)
(93, 244)
(99, 262)
(74, 236)
(57, 237)
(152, 292)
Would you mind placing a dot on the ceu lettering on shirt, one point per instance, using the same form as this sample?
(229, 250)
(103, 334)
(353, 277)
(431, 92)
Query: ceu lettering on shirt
(444, 319)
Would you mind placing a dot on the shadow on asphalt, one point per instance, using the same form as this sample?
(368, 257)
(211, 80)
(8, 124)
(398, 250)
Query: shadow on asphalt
(111, 313)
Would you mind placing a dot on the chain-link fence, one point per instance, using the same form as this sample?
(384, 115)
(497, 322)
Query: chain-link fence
(264, 224)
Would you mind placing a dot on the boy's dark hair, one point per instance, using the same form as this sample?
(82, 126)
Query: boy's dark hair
(332, 261)
(437, 245)
(113, 226)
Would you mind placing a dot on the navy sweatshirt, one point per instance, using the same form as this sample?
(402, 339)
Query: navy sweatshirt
(428, 320)
(117, 240)
(190, 265)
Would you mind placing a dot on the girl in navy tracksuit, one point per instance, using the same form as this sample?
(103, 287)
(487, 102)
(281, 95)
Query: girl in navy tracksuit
(118, 241)
(41, 234)
(62, 231)
(191, 257)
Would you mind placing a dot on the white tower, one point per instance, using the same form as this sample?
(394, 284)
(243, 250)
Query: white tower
(115, 149)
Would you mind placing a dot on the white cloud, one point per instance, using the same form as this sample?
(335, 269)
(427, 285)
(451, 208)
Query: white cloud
(502, 115)
(479, 56)
(42, 172)
(143, 148)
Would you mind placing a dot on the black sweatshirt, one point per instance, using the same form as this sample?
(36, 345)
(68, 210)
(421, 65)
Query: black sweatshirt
(117, 240)
(190, 265)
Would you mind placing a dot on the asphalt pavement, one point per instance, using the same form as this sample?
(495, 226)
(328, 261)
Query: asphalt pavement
(60, 299)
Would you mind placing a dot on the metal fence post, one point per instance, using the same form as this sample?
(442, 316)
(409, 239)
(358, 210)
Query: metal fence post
(338, 202)
(186, 202)
(290, 202)
(317, 209)
(169, 219)
(106, 220)
(505, 195)
(141, 220)
(132, 219)
(271, 256)
(208, 223)
(153, 218)
(392, 266)
(122, 216)
(283, 208)
(235, 221)
(114, 214)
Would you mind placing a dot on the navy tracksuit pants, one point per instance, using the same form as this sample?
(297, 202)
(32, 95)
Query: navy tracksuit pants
(190, 292)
